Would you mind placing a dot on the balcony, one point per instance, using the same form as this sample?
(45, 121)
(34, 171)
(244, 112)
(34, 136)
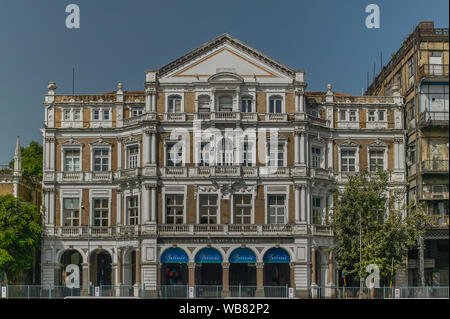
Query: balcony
(432, 192)
(174, 171)
(275, 117)
(129, 173)
(321, 230)
(439, 221)
(321, 173)
(225, 229)
(95, 231)
(435, 167)
(70, 177)
(318, 121)
(99, 176)
(138, 119)
(175, 117)
(433, 119)
(433, 71)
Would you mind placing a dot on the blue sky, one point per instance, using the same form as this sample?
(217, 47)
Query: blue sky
(119, 40)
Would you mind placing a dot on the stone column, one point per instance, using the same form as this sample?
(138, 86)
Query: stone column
(308, 204)
(148, 97)
(153, 107)
(259, 279)
(302, 149)
(85, 283)
(292, 275)
(303, 203)
(225, 280)
(119, 153)
(146, 204)
(302, 102)
(297, 204)
(153, 204)
(329, 292)
(296, 148)
(119, 208)
(191, 277)
(146, 147)
(314, 292)
(138, 272)
(153, 149)
(330, 154)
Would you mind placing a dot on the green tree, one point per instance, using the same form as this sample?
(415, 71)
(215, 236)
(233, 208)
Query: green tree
(31, 161)
(364, 210)
(20, 235)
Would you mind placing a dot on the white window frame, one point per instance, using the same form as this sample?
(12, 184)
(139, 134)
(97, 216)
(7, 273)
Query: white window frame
(321, 208)
(127, 213)
(252, 206)
(100, 194)
(138, 109)
(71, 145)
(219, 200)
(247, 97)
(127, 154)
(170, 94)
(349, 147)
(269, 191)
(280, 141)
(167, 190)
(70, 193)
(71, 122)
(283, 101)
(378, 146)
(322, 155)
(200, 95)
(183, 156)
(229, 94)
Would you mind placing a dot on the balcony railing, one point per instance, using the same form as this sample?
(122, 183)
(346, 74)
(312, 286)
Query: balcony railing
(275, 117)
(434, 70)
(224, 229)
(440, 221)
(129, 173)
(435, 166)
(175, 117)
(433, 118)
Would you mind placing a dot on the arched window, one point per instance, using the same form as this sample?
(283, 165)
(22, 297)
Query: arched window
(225, 103)
(275, 104)
(203, 103)
(246, 104)
(174, 104)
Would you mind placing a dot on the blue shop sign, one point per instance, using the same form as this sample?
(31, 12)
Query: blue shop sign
(276, 255)
(208, 255)
(174, 255)
(242, 255)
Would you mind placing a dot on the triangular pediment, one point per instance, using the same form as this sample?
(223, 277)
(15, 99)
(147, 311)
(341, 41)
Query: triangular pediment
(225, 55)
(225, 60)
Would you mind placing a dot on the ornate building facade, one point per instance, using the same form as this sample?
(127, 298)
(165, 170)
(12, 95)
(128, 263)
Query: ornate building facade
(220, 173)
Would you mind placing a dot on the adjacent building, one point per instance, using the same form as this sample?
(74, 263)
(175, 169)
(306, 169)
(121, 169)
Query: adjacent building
(219, 173)
(419, 72)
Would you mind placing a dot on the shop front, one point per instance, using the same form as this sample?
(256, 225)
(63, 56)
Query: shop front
(276, 267)
(174, 270)
(208, 269)
(242, 267)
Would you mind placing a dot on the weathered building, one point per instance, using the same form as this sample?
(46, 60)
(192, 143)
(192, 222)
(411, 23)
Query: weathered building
(419, 72)
(220, 173)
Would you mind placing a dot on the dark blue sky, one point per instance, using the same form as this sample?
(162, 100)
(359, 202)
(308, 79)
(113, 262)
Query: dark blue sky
(119, 40)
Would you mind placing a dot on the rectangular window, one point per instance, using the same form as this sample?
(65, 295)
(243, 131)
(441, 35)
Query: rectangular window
(208, 209)
(204, 154)
(316, 211)
(371, 116)
(77, 115)
(174, 209)
(376, 159)
(101, 160)
(133, 210)
(352, 117)
(106, 115)
(411, 67)
(96, 115)
(136, 112)
(133, 156)
(71, 212)
(242, 210)
(275, 105)
(348, 160)
(276, 157)
(246, 105)
(101, 210)
(316, 154)
(276, 209)
(174, 154)
(72, 160)
(247, 156)
(342, 114)
(380, 115)
(174, 105)
(66, 115)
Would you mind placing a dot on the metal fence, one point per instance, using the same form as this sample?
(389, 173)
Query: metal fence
(216, 292)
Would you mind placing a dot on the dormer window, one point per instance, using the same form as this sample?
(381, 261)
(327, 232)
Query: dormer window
(225, 103)
(275, 104)
(174, 104)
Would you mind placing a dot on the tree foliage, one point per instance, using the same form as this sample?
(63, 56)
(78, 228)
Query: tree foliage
(364, 209)
(20, 234)
(31, 161)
